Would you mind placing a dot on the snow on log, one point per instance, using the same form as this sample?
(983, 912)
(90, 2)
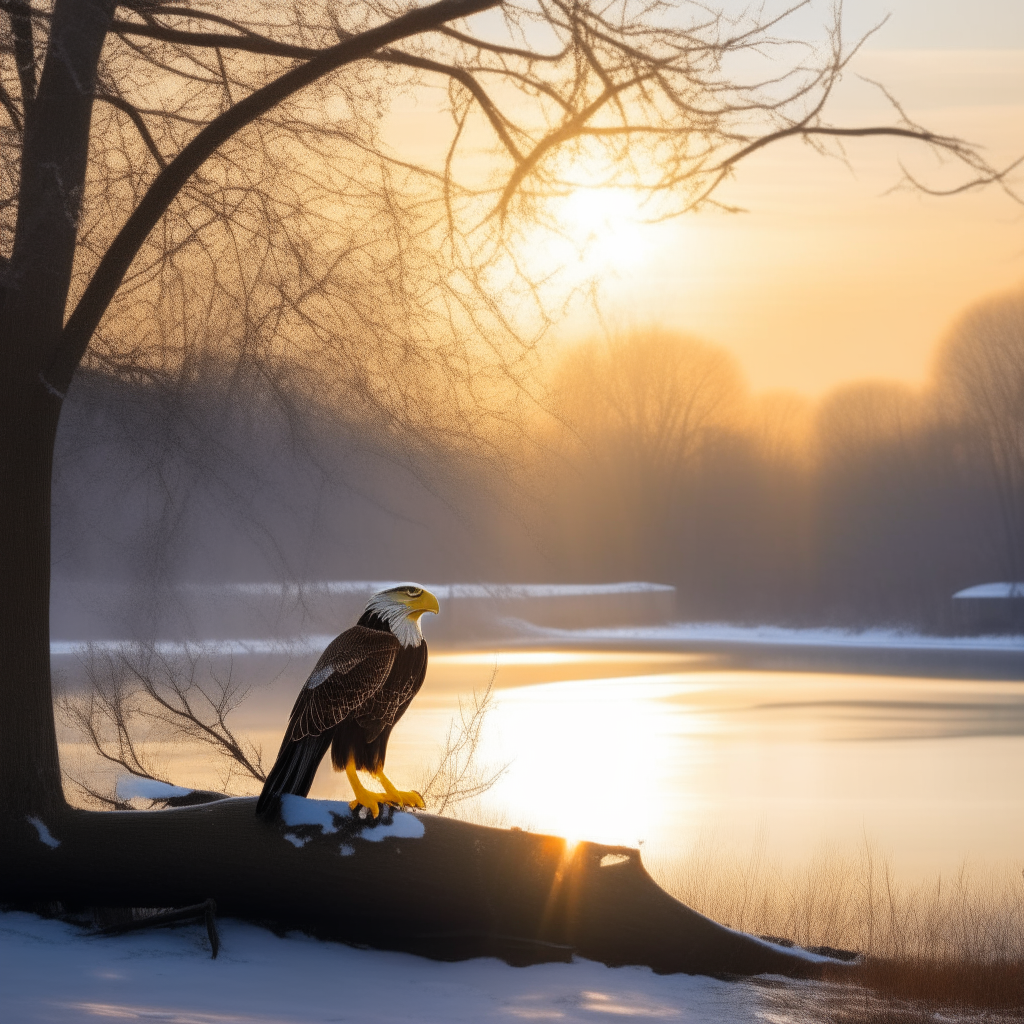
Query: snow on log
(301, 814)
(131, 786)
(45, 836)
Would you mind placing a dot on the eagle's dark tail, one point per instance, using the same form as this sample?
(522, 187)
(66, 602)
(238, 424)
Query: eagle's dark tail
(293, 771)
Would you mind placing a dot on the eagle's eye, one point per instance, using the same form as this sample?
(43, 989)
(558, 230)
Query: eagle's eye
(413, 591)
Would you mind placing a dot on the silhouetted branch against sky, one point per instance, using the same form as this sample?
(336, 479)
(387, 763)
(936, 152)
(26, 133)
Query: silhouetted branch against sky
(223, 124)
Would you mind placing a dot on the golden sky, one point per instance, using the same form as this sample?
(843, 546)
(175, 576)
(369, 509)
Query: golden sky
(827, 278)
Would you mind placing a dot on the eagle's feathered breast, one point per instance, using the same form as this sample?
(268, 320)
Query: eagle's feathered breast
(360, 687)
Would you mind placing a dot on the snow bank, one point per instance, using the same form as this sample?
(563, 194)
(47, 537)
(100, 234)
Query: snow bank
(988, 591)
(296, 647)
(53, 972)
(443, 591)
(721, 632)
(276, 619)
(678, 632)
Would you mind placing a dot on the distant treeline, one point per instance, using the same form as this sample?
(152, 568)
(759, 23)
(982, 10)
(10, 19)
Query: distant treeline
(641, 456)
(872, 506)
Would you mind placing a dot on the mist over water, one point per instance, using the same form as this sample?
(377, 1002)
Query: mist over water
(645, 459)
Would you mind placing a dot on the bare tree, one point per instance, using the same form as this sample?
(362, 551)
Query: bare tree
(872, 477)
(869, 507)
(979, 375)
(639, 410)
(459, 775)
(854, 421)
(137, 694)
(162, 156)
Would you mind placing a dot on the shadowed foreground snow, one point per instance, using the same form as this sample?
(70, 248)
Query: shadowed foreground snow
(51, 971)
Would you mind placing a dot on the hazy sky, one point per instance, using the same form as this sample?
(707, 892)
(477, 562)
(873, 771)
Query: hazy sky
(827, 278)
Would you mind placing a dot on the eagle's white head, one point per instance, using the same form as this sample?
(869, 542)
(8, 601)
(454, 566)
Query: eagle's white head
(401, 607)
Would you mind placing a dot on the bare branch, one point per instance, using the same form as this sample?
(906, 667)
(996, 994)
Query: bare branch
(511, 51)
(992, 178)
(136, 118)
(250, 41)
(12, 111)
(115, 262)
(571, 129)
(464, 78)
(148, 10)
(20, 14)
(134, 694)
(458, 776)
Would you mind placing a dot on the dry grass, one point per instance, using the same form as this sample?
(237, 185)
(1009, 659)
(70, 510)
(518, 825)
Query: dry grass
(953, 947)
(906, 992)
(894, 989)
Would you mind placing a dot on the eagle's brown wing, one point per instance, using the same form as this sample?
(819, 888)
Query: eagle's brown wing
(350, 671)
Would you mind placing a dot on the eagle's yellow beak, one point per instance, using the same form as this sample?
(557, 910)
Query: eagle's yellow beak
(424, 602)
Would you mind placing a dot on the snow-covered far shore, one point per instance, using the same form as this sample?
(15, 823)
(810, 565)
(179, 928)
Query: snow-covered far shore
(443, 591)
(52, 971)
(688, 633)
(783, 636)
(295, 647)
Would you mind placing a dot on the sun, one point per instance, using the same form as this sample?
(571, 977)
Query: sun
(606, 225)
(590, 234)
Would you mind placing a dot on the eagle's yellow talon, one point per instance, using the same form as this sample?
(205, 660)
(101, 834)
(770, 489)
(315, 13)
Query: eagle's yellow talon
(364, 797)
(399, 797)
(372, 801)
(371, 805)
(403, 799)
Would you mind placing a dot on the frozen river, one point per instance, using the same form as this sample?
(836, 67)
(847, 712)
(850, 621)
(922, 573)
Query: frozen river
(675, 749)
(632, 747)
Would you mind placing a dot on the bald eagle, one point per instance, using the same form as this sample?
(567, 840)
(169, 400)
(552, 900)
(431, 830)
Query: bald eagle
(360, 687)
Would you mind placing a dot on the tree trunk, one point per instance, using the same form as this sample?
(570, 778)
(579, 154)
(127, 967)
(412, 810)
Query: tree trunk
(29, 767)
(455, 891)
(34, 297)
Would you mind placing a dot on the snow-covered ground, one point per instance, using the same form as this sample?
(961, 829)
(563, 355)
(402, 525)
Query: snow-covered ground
(52, 971)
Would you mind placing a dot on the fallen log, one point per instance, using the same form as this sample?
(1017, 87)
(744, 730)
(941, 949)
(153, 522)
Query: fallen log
(415, 882)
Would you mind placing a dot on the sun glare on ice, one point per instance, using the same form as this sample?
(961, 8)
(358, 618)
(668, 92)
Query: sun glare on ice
(600, 750)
